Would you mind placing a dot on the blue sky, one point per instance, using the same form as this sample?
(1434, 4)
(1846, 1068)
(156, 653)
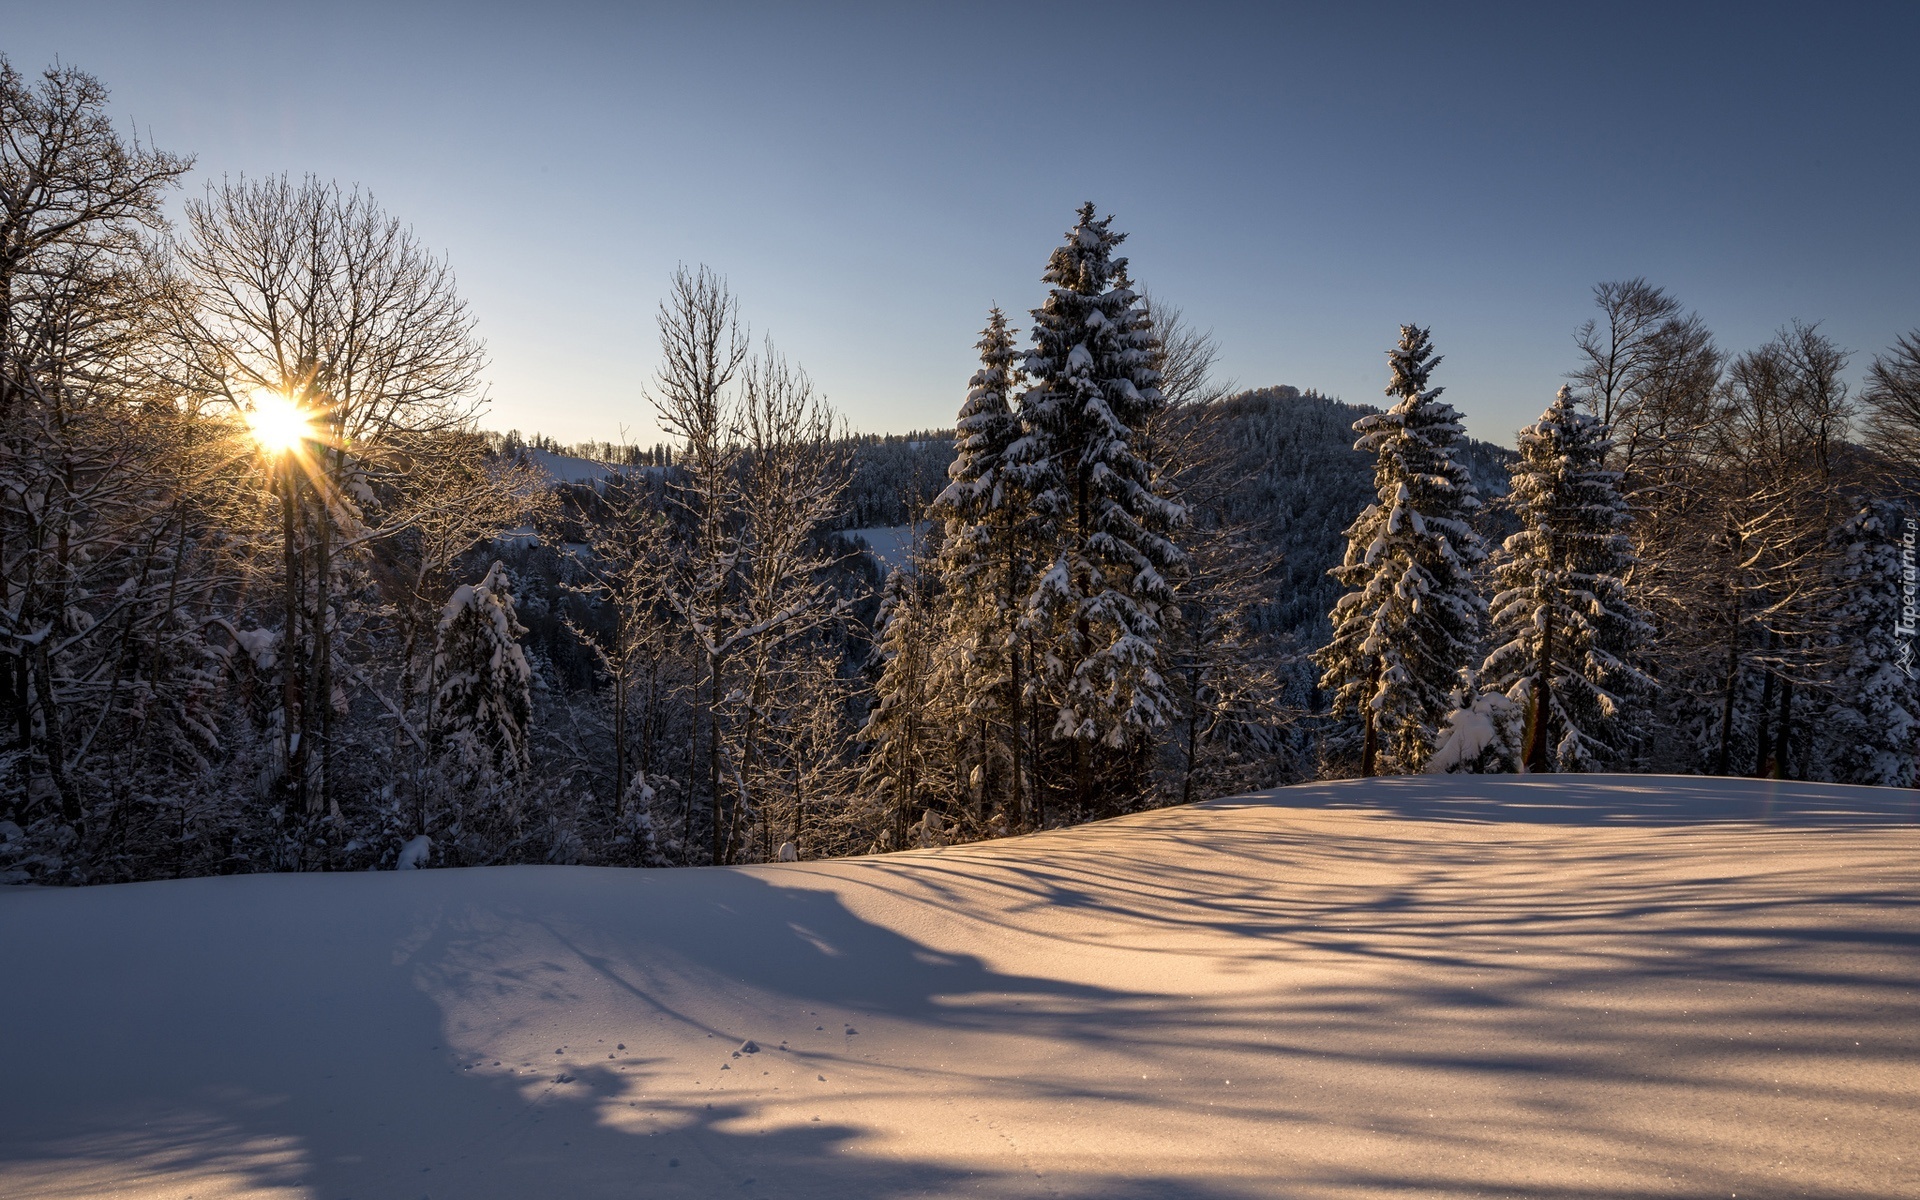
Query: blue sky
(872, 178)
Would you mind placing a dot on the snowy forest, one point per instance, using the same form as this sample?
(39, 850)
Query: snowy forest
(272, 599)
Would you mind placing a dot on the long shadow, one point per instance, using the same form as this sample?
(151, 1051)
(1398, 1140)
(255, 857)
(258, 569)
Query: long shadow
(1600, 800)
(296, 1031)
(346, 1035)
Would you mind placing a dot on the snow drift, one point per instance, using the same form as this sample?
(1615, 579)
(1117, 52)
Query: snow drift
(1436, 986)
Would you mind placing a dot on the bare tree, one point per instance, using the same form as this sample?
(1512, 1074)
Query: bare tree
(312, 294)
(1225, 679)
(795, 471)
(1892, 401)
(634, 552)
(1739, 546)
(1648, 370)
(68, 184)
(80, 486)
(702, 350)
(1184, 354)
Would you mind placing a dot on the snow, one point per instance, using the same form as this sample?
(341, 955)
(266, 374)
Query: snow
(890, 545)
(414, 854)
(565, 468)
(1434, 986)
(517, 538)
(261, 645)
(1471, 732)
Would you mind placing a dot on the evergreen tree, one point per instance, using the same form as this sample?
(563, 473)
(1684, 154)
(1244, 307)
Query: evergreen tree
(1412, 616)
(900, 727)
(1871, 722)
(482, 686)
(1099, 509)
(1565, 623)
(983, 564)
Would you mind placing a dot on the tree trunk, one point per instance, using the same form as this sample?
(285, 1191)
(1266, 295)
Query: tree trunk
(317, 716)
(1193, 726)
(799, 811)
(1033, 762)
(56, 739)
(1723, 764)
(749, 748)
(619, 732)
(713, 757)
(983, 755)
(1370, 741)
(1763, 744)
(13, 668)
(1783, 733)
(1021, 815)
(1537, 754)
(294, 781)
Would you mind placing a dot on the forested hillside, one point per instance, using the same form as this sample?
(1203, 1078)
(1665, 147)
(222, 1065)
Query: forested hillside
(271, 600)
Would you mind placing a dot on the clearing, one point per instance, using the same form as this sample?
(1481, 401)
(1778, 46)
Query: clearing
(1601, 986)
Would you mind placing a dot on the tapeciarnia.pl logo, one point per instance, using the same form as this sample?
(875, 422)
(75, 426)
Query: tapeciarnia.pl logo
(1909, 622)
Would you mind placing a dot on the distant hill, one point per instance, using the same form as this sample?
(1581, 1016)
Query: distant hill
(1292, 477)
(1289, 474)
(1297, 483)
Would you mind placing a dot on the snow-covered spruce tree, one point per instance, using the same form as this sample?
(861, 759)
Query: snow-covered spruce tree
(1412, 617)
(984, 569)
(1101, 515)
(1870, 720)
(1566, 629)
(900, 728)
(482, 701)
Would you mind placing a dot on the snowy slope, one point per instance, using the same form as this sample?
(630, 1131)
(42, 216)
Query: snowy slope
(565, 468)
(1448, 986)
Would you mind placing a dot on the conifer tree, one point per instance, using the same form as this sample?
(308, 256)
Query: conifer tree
(482, 685)
(899, 726)
(1412, 617)
(983, 563)
(1099, 507)
(1565, 624)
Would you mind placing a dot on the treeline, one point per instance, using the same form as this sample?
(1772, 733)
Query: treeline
(1707, 575)
(759, 689)
(614, 454)
(894, 476)
(269, 600)
(238, 484)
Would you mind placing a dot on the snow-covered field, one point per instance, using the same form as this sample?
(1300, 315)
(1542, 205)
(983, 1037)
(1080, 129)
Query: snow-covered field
(1596, 987)
(565, 468)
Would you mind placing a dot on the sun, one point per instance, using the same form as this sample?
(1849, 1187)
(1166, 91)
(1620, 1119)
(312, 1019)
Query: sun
(277, 423)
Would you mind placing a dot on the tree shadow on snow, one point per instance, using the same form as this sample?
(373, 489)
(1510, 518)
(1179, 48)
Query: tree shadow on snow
(342, 1034)
(1600, 800)
(315, 1041)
